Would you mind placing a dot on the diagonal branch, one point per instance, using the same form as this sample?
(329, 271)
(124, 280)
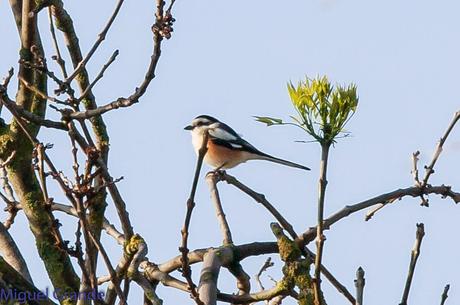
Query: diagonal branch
(101, 37)
(29, 116)
(430, 168)
(288, 227)
(260, 198)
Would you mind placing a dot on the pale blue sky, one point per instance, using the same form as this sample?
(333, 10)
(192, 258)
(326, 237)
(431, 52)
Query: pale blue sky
(232, 60)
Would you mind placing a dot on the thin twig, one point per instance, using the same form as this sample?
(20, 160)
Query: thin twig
(113, 274)
(268, 263)
(444, 294)
(60, 61)
(162, 25)
(359, 283)
(413, 261)
(100, 39)
(40, 93)
(414, 171)
(430, 168)
(260, 198)
(186, 270)
(100, 75)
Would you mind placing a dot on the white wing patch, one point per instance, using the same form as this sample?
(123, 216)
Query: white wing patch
(221, 134)
(238, 146)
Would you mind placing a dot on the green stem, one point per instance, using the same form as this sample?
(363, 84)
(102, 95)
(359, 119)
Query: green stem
(319, 232)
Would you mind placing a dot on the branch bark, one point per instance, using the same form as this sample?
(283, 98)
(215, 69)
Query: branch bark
(211, 179)
(319, 228)
(413, 261)
(359, 283)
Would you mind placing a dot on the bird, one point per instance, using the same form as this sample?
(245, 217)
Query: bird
(226, 148)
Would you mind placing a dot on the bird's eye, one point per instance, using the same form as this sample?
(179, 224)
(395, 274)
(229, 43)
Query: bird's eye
(199, 124)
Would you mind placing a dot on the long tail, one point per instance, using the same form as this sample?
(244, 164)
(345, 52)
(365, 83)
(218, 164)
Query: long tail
(263, 156)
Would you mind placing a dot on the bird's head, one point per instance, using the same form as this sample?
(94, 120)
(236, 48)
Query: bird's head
(201, 123)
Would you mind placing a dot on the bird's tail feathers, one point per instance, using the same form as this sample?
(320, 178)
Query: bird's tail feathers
(264, 156)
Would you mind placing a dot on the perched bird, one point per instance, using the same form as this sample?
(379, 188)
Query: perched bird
(226, 149)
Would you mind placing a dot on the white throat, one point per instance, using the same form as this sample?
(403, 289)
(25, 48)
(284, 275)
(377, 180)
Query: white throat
(198, 137)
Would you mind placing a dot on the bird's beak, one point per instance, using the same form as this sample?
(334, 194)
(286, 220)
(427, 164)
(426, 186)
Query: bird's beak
(189, 127)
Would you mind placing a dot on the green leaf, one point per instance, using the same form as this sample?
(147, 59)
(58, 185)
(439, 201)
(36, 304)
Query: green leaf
(268, 120)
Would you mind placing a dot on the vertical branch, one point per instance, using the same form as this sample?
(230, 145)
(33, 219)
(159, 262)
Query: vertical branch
(413, 261)
(359, 283)
(211, 179)
(213, 260)
(208, 278)
(444, 294)
(319, 232)
(186, 270)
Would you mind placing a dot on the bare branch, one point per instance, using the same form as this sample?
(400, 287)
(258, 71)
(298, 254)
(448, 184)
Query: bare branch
(186, 270)
(268, 263)
(100, 39)
(413, 261)
(319, 228)
(359, 283)
(113, 275)
(60, 61)
(106, 225)
(430, 168)
(12, 255)
(100, 75)
(29, 116)
(443, 190)
(286, 226)
(40, 93)
(243, 282)
(444, 294)
(415, 160)
(260, 198)
(212, 262)
(149, 290)
(211, 179)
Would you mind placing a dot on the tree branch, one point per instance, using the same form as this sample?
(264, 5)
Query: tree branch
(444, 294)
(359, 283)
(186, 270)
(319, 228)
(430, 168)
(413, 261)
(413, 191)
(211, 179)
(100, 38)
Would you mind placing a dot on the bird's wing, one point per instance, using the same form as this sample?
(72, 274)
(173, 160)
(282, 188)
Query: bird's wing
(224, 135)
